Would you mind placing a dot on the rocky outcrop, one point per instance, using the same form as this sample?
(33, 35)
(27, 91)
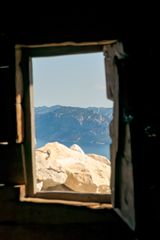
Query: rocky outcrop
(77, 148)
(61, 168)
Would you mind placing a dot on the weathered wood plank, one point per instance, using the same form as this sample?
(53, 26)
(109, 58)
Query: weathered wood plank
(14, 207)
(12, 164)
(7, 94)
(121, 155)
(75, 230)
(19, 97)
(9, 193)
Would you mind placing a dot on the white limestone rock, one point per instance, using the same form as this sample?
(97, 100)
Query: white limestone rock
(58, 165)
(77, 148)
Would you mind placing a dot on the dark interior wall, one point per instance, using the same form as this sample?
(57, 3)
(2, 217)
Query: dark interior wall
(7, 95)
(140, 99)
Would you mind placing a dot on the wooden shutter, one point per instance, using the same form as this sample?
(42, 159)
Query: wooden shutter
(121, 153)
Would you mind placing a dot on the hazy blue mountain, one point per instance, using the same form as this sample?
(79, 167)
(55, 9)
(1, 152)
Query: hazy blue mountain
(69, 125)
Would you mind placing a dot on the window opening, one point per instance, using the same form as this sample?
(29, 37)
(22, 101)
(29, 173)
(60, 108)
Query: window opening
(72, 118)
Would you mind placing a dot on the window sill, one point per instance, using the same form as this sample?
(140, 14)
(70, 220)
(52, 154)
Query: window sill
(48, 211)
(45, 198)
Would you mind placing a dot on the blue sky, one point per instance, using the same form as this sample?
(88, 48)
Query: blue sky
(73, 80)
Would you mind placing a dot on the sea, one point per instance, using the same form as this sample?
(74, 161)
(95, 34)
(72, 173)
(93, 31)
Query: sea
(100, 149)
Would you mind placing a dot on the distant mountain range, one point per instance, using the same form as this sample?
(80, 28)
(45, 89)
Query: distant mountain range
(72, 125)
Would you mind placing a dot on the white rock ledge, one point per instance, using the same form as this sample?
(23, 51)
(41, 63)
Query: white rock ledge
(70, 169)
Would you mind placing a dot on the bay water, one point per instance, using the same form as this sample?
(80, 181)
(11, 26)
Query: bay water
(99, 149)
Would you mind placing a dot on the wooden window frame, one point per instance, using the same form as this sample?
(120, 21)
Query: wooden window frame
(112, 50)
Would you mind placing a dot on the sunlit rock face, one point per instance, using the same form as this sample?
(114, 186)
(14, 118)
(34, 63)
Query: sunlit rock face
(61, 168)
(77, 148)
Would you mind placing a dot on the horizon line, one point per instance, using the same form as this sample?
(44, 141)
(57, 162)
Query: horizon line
(58, 105)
